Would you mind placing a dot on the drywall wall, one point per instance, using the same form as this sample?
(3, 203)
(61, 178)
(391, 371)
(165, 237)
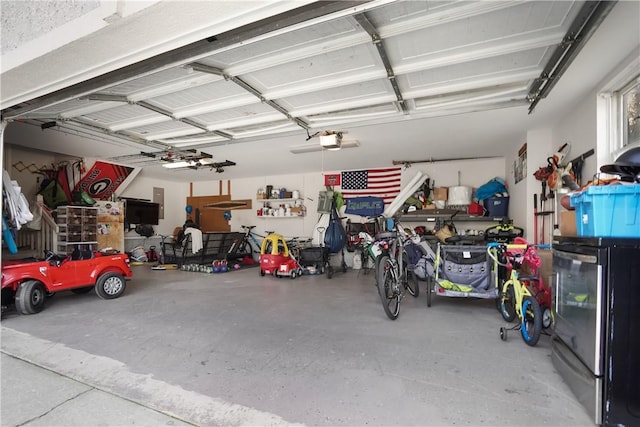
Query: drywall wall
(472, 173)
(175, 194)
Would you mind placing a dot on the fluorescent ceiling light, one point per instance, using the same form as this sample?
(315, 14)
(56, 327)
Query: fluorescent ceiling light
(205, 161)
(174, 165)
(308, 148)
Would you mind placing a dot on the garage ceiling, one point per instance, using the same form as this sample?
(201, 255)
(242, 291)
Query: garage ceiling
(326, 66)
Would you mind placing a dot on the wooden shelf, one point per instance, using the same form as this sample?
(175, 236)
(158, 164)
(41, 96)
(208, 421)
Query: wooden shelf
(278, 200)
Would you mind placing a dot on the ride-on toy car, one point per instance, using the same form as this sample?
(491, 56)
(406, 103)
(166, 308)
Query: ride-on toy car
(27, 283)
(276, 259)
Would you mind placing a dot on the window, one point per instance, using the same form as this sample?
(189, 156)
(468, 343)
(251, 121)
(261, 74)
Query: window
(629, 108)
(618, 111)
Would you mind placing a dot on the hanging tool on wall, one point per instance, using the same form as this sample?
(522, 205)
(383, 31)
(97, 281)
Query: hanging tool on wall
(577, 164)
(550, 177)
(535, 219)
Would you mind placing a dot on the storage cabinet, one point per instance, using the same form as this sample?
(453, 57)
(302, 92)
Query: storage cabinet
(78, 228)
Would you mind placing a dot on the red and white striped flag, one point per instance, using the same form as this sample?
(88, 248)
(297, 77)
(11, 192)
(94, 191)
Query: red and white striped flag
(383, 183)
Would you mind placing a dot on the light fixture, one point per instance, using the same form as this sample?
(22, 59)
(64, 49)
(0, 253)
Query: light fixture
(331, 140)
(311, 147)
(181, 164)
(193, 163)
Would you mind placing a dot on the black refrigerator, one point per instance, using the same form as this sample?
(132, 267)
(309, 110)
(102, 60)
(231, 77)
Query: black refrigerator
(596, 342)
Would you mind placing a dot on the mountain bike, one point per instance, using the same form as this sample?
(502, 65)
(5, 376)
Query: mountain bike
(245, 246)
(517, 298)
(393, 275)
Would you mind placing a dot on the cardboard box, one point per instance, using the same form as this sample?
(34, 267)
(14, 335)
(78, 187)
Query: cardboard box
(441, 193)
(568, 223)
(546, 267)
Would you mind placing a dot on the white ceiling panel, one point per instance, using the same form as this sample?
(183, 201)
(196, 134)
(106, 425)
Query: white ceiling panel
(523, 66)
(123, 117)
(340, 98)
(359, 65)
(163, 130)
(291, 46)
(214, 96)
(240, 116)
(317, 72)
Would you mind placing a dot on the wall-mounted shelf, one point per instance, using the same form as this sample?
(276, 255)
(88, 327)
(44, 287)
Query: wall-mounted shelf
(279, 217)
(296, 205)
(278, 200)
(432, 215)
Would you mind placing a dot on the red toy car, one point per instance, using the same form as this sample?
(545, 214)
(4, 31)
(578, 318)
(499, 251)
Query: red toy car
(27, 283)
(276, 259)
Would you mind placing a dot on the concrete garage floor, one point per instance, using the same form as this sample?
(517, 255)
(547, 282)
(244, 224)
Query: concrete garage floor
(237, 349)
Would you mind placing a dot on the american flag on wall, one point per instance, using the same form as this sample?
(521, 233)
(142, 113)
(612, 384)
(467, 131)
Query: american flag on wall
(383, 183)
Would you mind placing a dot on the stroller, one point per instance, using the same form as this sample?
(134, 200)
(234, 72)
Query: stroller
(463, 271)
(314, 259)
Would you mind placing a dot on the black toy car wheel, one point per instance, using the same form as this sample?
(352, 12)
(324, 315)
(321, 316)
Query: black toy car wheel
(110, 285)
(30, 297)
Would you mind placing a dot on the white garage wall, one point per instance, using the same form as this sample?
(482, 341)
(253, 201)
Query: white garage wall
(175, 195)
(473, 173)
(33, 159)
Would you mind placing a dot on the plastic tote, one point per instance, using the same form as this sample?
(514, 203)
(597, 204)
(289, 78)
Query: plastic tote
(608, 211)
(497, 206)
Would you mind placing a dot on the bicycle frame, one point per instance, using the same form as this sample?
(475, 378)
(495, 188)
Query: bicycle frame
(392, 276)
(246, 243)
(524, 305)
(520, 290)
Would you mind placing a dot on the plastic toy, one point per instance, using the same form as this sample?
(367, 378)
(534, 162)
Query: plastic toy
(276, 259)
(28, 283)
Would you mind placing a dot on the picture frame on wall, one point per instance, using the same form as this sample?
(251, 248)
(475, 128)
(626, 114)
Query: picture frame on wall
(520, 164)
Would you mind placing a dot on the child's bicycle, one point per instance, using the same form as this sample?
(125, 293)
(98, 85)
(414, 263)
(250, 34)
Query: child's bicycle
(523, 296)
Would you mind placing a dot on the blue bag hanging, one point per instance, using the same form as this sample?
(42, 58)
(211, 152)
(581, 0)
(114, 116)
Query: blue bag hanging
(335, 237)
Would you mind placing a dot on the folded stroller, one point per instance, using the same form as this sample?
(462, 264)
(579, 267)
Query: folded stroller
(463, 271)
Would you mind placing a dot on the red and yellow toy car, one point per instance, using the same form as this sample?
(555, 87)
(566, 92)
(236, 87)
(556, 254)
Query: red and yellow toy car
(276, 259)
(28, 283)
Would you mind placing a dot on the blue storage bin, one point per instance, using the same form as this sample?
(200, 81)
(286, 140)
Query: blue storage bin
(608, 211)
(497, 206)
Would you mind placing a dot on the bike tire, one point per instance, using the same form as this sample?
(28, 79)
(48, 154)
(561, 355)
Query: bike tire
(531, 321)
(508, 303)
(412, 284)
(429, 290)
(410, 279)
(390, 300)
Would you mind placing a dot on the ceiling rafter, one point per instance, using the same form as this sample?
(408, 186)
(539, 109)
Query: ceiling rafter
(583, 26)
(367, 26)
(247, 87)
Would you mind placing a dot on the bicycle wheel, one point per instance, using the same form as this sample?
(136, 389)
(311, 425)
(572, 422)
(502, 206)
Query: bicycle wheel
(531, 321)
(429, 290)
(390, 299)
(410, 279)
(508, 304)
